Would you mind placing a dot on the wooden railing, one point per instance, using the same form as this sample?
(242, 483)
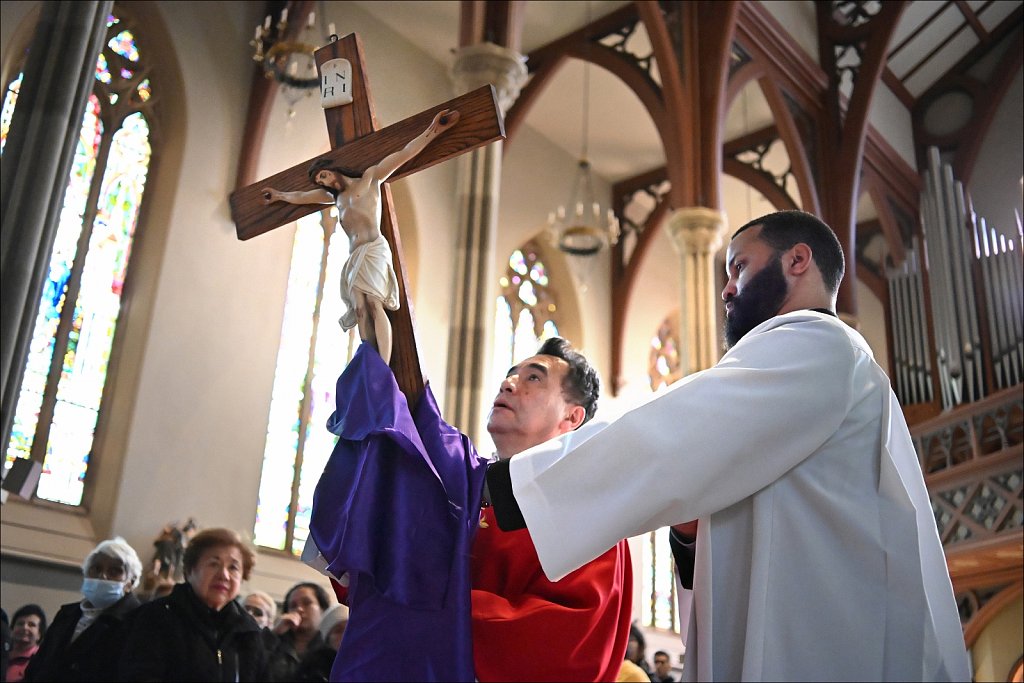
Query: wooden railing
(973, 461)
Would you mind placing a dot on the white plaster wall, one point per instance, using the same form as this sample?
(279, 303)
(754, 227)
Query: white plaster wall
(658, 291)
(998, 647)
(995, 184)
(890, 118)
(798, 16)
(196, 440)
(871, 315)
(12, 29)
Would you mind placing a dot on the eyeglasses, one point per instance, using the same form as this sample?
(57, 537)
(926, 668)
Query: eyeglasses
(255, 611)
(108, 572)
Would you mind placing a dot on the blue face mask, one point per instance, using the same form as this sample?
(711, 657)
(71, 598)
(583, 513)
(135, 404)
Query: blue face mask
(101, 593)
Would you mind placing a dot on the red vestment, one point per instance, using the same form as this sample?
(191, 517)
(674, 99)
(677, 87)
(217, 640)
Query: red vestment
(526, 628)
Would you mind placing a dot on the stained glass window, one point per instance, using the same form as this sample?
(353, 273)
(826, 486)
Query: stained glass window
(664, 364)
(10, 99)
(658, 608)
(526, 313)
(308, 364)
(65, 372)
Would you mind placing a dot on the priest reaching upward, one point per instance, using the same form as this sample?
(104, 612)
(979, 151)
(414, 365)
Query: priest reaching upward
(430, 575)
(817, 556)
(525, 627)
(368, 280)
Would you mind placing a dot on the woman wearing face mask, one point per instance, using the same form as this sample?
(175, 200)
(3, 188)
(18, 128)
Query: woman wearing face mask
(85, 639)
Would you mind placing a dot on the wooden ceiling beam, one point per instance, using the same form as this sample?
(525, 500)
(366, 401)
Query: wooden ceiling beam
(972, 19)
(916, 32)
(897, 88)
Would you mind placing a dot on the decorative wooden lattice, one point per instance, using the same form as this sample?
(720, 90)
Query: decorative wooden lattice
(972, 461)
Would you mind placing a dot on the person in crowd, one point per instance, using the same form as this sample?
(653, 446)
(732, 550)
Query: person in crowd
(28, 626)
(298, 629)
(261, 607)
(85, 640)
(662, 668)
(793, 454)
(315, 666)
(636, 649)
(332, 626)
(5, 643)
(199, 632)
(629, 672)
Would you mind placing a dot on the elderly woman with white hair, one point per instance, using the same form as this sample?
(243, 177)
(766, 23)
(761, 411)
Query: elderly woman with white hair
(85, 640)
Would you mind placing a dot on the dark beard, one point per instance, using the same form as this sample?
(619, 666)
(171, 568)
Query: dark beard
(763, 298)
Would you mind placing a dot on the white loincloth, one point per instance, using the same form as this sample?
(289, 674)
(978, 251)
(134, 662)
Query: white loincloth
(368, 270)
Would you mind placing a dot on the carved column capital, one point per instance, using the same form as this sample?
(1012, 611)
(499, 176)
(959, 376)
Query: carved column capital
(697, 230)
(697, 233)
(478, 65)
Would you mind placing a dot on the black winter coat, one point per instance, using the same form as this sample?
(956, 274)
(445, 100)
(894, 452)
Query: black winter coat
(179, 638)
(284, 665)
(93, 656)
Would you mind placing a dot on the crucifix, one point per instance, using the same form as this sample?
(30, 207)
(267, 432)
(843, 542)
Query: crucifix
(357, 144)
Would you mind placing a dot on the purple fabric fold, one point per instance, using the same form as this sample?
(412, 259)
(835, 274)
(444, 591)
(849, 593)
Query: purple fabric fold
(396, 508)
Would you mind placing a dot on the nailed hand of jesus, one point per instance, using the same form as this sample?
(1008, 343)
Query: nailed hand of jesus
(445, 119)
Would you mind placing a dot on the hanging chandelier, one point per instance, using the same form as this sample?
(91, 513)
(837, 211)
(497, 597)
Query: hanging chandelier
(581, 227)
(289, 58)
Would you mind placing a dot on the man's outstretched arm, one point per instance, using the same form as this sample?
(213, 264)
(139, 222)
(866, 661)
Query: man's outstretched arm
(498, 493)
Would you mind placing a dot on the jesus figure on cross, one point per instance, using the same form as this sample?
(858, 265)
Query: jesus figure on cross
(368, 280)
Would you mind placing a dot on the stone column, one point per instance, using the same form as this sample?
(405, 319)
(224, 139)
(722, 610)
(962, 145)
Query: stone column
(479, 178)
(698, 233)
(40, 148)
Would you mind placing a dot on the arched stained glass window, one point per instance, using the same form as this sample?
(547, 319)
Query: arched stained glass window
(664, 366)
(10, 100)
(659, 606)
(526, 313)
(313, 352)
(66, 369)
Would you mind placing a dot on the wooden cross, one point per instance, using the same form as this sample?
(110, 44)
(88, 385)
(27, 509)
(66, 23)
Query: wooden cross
(357, 143)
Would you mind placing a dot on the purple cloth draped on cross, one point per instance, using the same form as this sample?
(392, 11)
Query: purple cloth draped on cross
(397, 508)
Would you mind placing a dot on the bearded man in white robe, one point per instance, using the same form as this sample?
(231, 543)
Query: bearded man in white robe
(817, 556)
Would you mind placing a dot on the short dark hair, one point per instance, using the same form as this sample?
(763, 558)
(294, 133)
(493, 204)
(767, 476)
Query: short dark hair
(318, 591)
(637, 635)
(214, 538)
(782, 229)
(327, 164)
(581, 385)
(28, 611)
(662, 653)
